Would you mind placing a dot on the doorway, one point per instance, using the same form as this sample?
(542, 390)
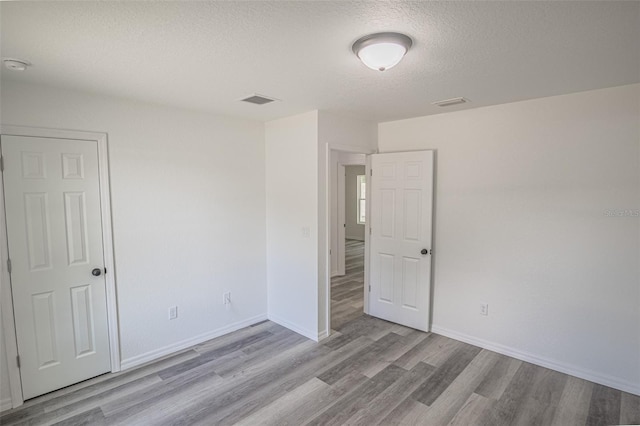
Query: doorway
(348, 232)
(61, 314)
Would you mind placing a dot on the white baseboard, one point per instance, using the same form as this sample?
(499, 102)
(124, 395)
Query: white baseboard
(5, 404)
(334, 274)
(306, 333)
(322, 335)
(591, 376)
(354, 238)
(184, 344)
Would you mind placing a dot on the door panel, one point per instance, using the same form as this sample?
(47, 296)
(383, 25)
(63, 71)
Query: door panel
(54, 230)
(401, 216)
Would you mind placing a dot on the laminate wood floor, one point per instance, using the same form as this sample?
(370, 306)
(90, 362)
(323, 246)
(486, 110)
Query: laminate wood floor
(347, 292)
(368, 372)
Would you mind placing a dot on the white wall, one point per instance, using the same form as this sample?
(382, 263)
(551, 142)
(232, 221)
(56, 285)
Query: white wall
(188, 203)
(522, 193)
(292, 222)
(353, 230)
(336, 158)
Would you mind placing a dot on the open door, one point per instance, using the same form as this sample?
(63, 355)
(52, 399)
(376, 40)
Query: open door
(400, 255)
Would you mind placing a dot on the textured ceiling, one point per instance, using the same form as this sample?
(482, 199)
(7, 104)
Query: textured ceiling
(208, 55)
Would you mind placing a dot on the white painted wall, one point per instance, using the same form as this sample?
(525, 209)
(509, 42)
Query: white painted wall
(522, 193)
(337, 157)
(292, 222)
(353, 230)
(188, 202)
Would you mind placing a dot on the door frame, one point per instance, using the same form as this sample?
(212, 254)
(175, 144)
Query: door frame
(6, 305)
(342, 214)
(329, 147)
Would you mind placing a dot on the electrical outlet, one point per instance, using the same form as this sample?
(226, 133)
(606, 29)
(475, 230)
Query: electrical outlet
(173, 312)
(226, 298)
(484, 309)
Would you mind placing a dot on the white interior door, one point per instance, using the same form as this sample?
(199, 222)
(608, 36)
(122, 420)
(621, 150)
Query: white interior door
(52, 201)
(400, 254)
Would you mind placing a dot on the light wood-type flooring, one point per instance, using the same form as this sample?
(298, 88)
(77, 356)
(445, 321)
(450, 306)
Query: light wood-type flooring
(367, 372)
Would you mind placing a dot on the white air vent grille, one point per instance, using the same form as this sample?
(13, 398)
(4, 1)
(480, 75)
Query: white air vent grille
(258, 99)
(450, 102)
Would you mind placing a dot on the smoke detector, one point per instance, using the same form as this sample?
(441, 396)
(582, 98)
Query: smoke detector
(258, 99)
(450, 102)
(16, 64)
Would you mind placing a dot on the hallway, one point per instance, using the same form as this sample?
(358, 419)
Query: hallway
(347, 298)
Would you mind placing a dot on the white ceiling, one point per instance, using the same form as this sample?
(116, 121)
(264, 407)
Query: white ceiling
(207, 55)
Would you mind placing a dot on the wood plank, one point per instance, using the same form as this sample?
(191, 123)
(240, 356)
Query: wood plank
(363, 359)
(605, 406)
(540, 407)
(629, 409)
(353, 401)
(431, 389)
(573, 406)
(472, 410)
(393, 396)
(282, 411)
(393, 353)
(93, 417)
(496, 381)
(453, 398)
(506, 409)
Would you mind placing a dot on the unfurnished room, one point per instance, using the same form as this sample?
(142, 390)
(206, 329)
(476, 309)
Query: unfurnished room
(320, 213)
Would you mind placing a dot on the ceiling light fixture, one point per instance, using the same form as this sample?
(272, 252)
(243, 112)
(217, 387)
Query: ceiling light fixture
(382, 51)
(16, 64)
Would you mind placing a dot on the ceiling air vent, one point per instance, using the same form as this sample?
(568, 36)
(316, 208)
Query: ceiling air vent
(450, 102)
(258, 99)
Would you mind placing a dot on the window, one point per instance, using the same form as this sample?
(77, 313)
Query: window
(362, 204)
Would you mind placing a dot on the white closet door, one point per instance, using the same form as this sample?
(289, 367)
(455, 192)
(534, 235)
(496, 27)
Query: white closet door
(52, 198)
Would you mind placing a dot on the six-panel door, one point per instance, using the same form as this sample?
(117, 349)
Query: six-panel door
(401, 217)
(52, 199)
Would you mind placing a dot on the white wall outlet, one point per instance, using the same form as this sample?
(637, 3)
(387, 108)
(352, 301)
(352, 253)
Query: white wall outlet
(226, 298)
(173, 312)
(484, 309)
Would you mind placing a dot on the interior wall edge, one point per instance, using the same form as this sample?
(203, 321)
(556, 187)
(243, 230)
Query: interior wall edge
(310, 334)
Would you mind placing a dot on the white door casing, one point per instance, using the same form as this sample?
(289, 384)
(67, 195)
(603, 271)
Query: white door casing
(55, 239)
(341, 219)
(401, 229)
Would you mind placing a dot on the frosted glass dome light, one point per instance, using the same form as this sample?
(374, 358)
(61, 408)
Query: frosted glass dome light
(382, 51)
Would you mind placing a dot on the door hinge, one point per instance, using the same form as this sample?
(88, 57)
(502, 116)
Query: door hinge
(1, 163)
(9, 265)
(370, 230)
(371, 172)
(369, 288)
(18, 360)
(329, 252)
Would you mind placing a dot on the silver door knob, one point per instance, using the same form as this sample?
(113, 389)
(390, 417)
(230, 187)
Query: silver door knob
(96, 272)
(424, 252)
